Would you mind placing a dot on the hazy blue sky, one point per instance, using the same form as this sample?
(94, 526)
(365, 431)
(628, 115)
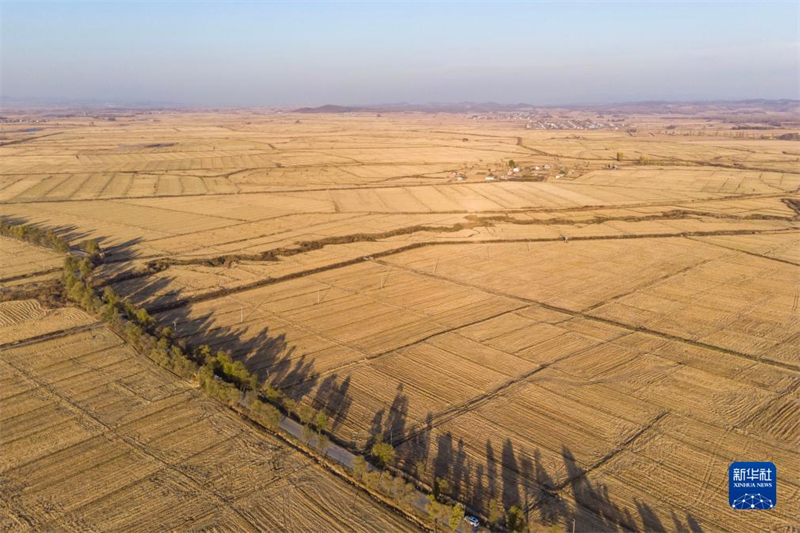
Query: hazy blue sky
(285, 53)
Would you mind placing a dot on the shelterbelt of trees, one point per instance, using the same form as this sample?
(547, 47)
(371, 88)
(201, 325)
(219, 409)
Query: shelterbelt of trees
(33, 235)
(228, 381)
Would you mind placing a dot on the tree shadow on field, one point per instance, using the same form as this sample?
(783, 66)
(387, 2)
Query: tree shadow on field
(120, 253)
(28, 283)
(550, 486)
(268, 355)
(149, 291)
(70, 233)
(558, 497)
(389, 423)
(157, 292)
(333, 398)
(232, 328)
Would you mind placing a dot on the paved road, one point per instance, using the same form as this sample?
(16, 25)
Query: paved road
(345, 458)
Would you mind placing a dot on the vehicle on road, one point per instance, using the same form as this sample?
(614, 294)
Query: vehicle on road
(471, 520)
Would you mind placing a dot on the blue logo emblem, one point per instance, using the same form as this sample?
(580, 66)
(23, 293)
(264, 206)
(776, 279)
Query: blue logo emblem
(752, 486)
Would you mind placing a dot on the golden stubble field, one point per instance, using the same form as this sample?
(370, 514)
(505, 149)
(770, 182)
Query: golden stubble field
(592, 344)
(95, 437)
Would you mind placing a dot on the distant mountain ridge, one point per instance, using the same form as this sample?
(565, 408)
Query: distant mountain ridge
(330, 108)
(433, 107)
(666, 107)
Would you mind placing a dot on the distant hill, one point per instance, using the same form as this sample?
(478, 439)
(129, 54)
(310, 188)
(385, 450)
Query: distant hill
(755, 111)
(329, 108)
(697, 107)
(433, 107)
(625, 107)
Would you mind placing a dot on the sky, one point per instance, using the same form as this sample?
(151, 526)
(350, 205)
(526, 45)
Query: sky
(350, 53)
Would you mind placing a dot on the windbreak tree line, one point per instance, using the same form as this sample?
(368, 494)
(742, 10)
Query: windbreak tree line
(34, 235)
(229, 381)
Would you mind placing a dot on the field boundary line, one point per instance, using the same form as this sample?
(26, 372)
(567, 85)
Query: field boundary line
(89, 176)
(371, 357)
(647, 284)
(790, 390)
(114, 435)
(342, 264)
(442, 417)
(728, 196)
(162, 208)
(33, 274)
(629, 327)
(616, 451)
(555, 492)
(28, 139)
(754, 254)
(52, 335)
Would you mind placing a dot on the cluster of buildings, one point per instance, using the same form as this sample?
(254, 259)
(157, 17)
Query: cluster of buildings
(515, 173)
(572, 125)
(534, 121)
(7, 120)
(521, 115)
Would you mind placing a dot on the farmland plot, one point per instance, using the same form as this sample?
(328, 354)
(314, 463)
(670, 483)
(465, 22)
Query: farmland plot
(666, 376)
(96, 437)
(782, 246)
(21, 260)
(705, 181)
(676, 455)
(23, 319)
(594, 348)
(736, 302)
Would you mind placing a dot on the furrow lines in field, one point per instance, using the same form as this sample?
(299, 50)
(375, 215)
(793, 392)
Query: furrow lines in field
(623, 325)
(132, 443)
(51, 335)
(754, 254)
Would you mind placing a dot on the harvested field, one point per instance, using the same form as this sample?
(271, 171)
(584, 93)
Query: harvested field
(94, 437)
(593, 339)
(21, 260)
(26, 319)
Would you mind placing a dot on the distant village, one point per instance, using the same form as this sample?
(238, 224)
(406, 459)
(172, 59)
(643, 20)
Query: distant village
(572, 125)
(7, 120)
(547, 122)
(518, 173)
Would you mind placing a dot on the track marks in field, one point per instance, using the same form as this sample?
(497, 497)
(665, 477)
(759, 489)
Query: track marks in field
(129, 442)
(588, 316)
(754, 254)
